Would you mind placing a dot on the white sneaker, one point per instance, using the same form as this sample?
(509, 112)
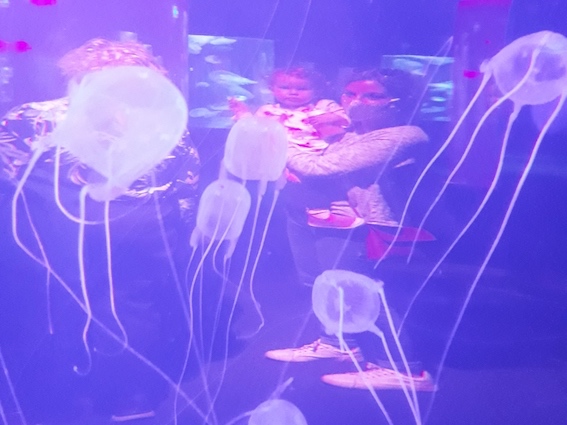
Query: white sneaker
(315, 351)
(381, 379)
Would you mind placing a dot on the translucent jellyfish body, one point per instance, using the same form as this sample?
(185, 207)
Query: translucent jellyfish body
(256, 149)
(223, 209)
(360, 299)
(277, 412)
(122, 121)
(348, 302)
(532, 70)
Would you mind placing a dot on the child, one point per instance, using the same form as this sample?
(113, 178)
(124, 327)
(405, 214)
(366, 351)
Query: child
(311, 122)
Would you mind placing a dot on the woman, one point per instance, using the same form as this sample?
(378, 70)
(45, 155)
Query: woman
(345, 187)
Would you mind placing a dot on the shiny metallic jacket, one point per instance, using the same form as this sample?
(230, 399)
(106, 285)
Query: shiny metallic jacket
(25, 128)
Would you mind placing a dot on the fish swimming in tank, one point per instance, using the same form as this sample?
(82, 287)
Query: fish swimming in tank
(196, 42)
(229, 78)
(213, 59)
(203, 113)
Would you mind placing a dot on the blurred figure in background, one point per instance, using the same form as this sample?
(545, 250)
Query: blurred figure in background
(43, 354)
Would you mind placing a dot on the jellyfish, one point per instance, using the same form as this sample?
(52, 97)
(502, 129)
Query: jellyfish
(345, 301)
(121, 122)
(277, 412)
(256, 150)
(223, 209)
(530, 71)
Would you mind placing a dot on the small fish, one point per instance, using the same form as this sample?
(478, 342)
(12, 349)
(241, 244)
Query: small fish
(410, 65)
(196, 43)
(438, 99)
(239, 93)
(202, 113)
(222, 41)
(219, 107)
(229, 78)
(433, 109)
(443, 86)
(202, 84)
(214, 59)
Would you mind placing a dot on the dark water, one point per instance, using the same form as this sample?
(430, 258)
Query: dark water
(507, 360)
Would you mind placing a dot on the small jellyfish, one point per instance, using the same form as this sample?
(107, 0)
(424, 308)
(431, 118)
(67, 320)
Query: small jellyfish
(256, 149)
(277, 412)
(345, 301)
(530, 71)
(222, 212)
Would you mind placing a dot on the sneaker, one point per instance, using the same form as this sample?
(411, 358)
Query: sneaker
(315, 351)
(328, 219)
(381, 379)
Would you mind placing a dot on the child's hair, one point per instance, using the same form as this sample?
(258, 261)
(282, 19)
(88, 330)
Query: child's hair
(100, 53)
(315, 78)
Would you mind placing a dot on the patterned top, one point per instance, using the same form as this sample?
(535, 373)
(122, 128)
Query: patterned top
(23, 131)
(302, 134)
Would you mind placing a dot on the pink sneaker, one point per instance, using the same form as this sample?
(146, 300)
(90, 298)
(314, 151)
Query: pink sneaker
(317, 350)
(380, 378)
(326, 218)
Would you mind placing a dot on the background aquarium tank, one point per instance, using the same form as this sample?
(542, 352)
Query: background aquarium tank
(268, 212)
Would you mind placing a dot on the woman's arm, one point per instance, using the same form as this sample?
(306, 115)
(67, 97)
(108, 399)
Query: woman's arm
(357, 151)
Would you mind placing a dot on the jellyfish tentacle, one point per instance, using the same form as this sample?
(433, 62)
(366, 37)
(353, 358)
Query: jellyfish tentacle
(12, 390)
(390, 320)
(344, 346)
(430, 164)
(490, 190)
(470, 143)
(109, 272)
(257, 260)
(500, 232)
(467, 226)
(82, 275)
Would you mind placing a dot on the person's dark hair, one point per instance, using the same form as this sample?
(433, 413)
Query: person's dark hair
(315, 78)
(399, 84)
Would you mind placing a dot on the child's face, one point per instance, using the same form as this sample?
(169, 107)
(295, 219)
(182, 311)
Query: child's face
(292, 92)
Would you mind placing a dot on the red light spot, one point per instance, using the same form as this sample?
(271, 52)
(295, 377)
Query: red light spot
(3, 46)
(468, 73)
(21, 46)
(43, 2)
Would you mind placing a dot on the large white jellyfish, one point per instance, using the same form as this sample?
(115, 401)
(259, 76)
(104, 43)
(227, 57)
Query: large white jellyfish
(121, 122)
(345, 301)
(530, 71)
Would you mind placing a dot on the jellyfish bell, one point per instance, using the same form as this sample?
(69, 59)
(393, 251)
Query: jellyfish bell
(256, 149)
(537, 63)
(222, 212)
(358, 297)
(277, 412)
(122, 121)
